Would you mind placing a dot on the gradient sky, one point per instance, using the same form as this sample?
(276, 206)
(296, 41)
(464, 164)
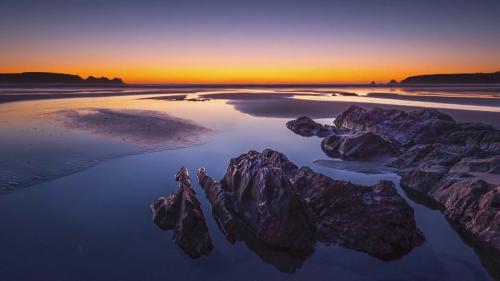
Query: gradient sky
(258, 41)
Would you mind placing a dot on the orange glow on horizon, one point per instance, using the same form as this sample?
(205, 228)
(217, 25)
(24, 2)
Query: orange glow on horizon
(251, 76)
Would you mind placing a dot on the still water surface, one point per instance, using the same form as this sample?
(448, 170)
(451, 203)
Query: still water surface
(85, 214)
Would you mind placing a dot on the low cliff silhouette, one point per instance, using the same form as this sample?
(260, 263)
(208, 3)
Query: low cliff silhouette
(462, 78)
(54, 78)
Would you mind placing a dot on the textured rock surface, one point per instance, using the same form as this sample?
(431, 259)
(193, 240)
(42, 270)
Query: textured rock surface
(407, 128)
(359, 145)
(454, 166)
(306, 127)
(181, 212)
(468, 201)
(262, 198)
(290, 208)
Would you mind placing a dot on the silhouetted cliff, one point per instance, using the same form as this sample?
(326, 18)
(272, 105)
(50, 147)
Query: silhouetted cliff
(463, 78)
(54, 78)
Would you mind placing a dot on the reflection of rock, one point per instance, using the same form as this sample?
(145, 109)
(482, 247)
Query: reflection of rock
(306, 127)
(360, 145)
(289, 208)
(181, 211)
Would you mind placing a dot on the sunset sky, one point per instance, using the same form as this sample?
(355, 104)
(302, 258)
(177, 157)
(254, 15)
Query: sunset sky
(259, 41)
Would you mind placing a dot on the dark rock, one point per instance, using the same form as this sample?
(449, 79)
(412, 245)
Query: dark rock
(469, 202)
(416, 127)
(428, 155)
(374, 219)
(453, 166)
(181, 212)
(166, 211)
(490, 165)
(359, 145)
(306, 127)
(262, 198)
(289, 208)
(423, 180)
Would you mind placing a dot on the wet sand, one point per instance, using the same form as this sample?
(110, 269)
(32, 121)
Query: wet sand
(14, 95)
(141, 127)
(283, 105)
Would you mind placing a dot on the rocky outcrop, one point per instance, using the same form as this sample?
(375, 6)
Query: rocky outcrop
(407, 128)
(261, 197)
(291, 208)
(359, 145)
(450, 165)
(306, 127)
(181, 212)
(471, 203)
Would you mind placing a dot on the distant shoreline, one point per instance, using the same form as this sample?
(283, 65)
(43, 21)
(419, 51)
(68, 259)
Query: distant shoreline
(255, 85)
(30, 92)
(49, 79)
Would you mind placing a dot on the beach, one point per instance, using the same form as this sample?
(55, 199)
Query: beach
(79, 174)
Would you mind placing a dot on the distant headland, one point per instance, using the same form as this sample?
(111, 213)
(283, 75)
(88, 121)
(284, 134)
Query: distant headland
(48, 78)
(462, 78)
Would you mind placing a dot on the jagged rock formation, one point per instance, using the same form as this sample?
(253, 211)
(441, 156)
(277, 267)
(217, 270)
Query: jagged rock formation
(181, 212)
(290, 208)
(454, 166)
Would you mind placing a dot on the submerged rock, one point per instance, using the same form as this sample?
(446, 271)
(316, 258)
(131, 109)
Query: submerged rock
(290, 208)
(181, 212)
(306, 127)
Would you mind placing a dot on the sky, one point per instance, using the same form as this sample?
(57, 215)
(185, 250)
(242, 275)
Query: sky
(258, 41)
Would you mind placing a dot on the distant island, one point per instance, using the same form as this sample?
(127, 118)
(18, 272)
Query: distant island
(462, 78)
(48, 78)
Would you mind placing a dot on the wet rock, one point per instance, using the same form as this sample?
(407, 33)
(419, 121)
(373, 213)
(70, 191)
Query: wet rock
(428, 155)
(423, 180)
(407, 128)
(443, 163)
(359, 145)
(469, 202)
(306, 127)
(181, 212)
(291, 208)
(262, 198)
